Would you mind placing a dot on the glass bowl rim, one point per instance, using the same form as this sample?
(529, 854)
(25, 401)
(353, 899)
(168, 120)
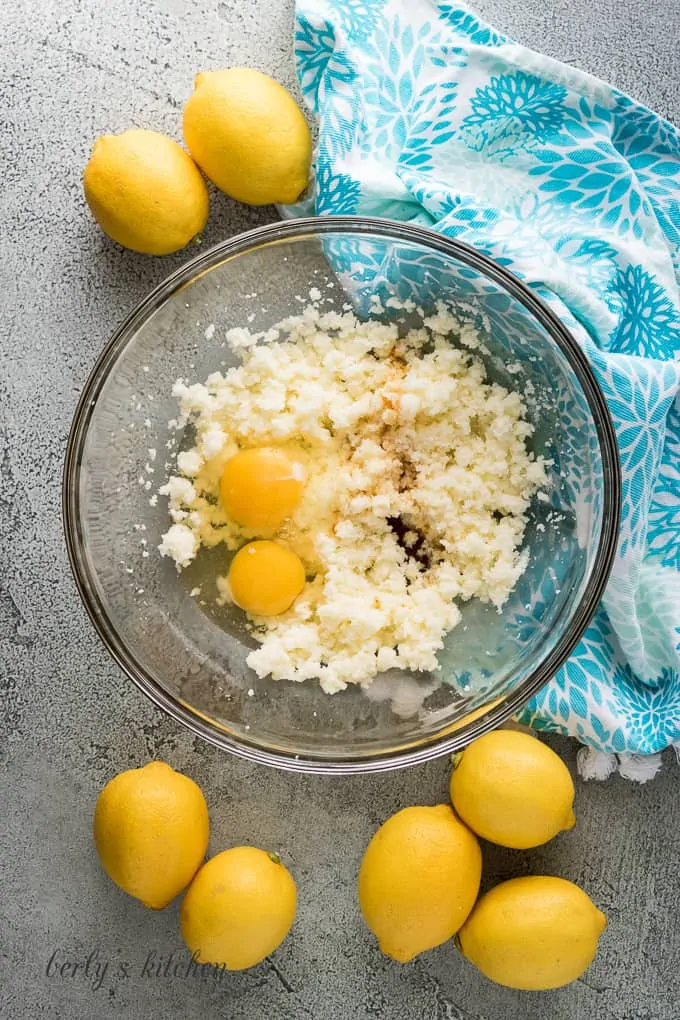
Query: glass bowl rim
(432, 746)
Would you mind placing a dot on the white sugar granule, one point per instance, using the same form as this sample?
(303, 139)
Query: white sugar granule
(419, 479)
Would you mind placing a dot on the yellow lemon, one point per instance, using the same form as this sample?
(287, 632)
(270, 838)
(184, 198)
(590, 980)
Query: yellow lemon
(238, 909)
(513, 790)
(418, 880)
(533, 933)
(248, 135)
(151, 831)
(145, 192)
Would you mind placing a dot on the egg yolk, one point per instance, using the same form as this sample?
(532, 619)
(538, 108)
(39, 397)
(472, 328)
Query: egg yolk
(261, 487)
(265, 578)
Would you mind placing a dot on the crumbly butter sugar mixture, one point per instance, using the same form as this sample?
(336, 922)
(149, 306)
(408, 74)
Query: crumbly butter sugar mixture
(405, 487)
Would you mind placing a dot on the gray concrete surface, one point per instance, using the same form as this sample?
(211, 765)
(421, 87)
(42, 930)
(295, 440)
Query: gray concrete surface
(70, 70)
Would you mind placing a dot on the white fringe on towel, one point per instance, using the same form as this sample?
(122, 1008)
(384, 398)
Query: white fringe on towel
(599, 765)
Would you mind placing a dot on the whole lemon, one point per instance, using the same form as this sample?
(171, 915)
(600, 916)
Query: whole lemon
(418, 880)
(238, 909)
(145, 192)
(533, 933)
(151, 831)
(249, 136)
(513, 790)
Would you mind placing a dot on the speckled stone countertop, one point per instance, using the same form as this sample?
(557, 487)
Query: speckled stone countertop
(73, 69)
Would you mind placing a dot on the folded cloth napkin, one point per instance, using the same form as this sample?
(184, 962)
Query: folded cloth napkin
(428, 115)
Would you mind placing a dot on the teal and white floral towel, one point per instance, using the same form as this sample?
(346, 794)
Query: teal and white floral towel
(426, 114)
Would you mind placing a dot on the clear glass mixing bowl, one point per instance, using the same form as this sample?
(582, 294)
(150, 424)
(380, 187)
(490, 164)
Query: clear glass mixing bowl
(189, 658)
